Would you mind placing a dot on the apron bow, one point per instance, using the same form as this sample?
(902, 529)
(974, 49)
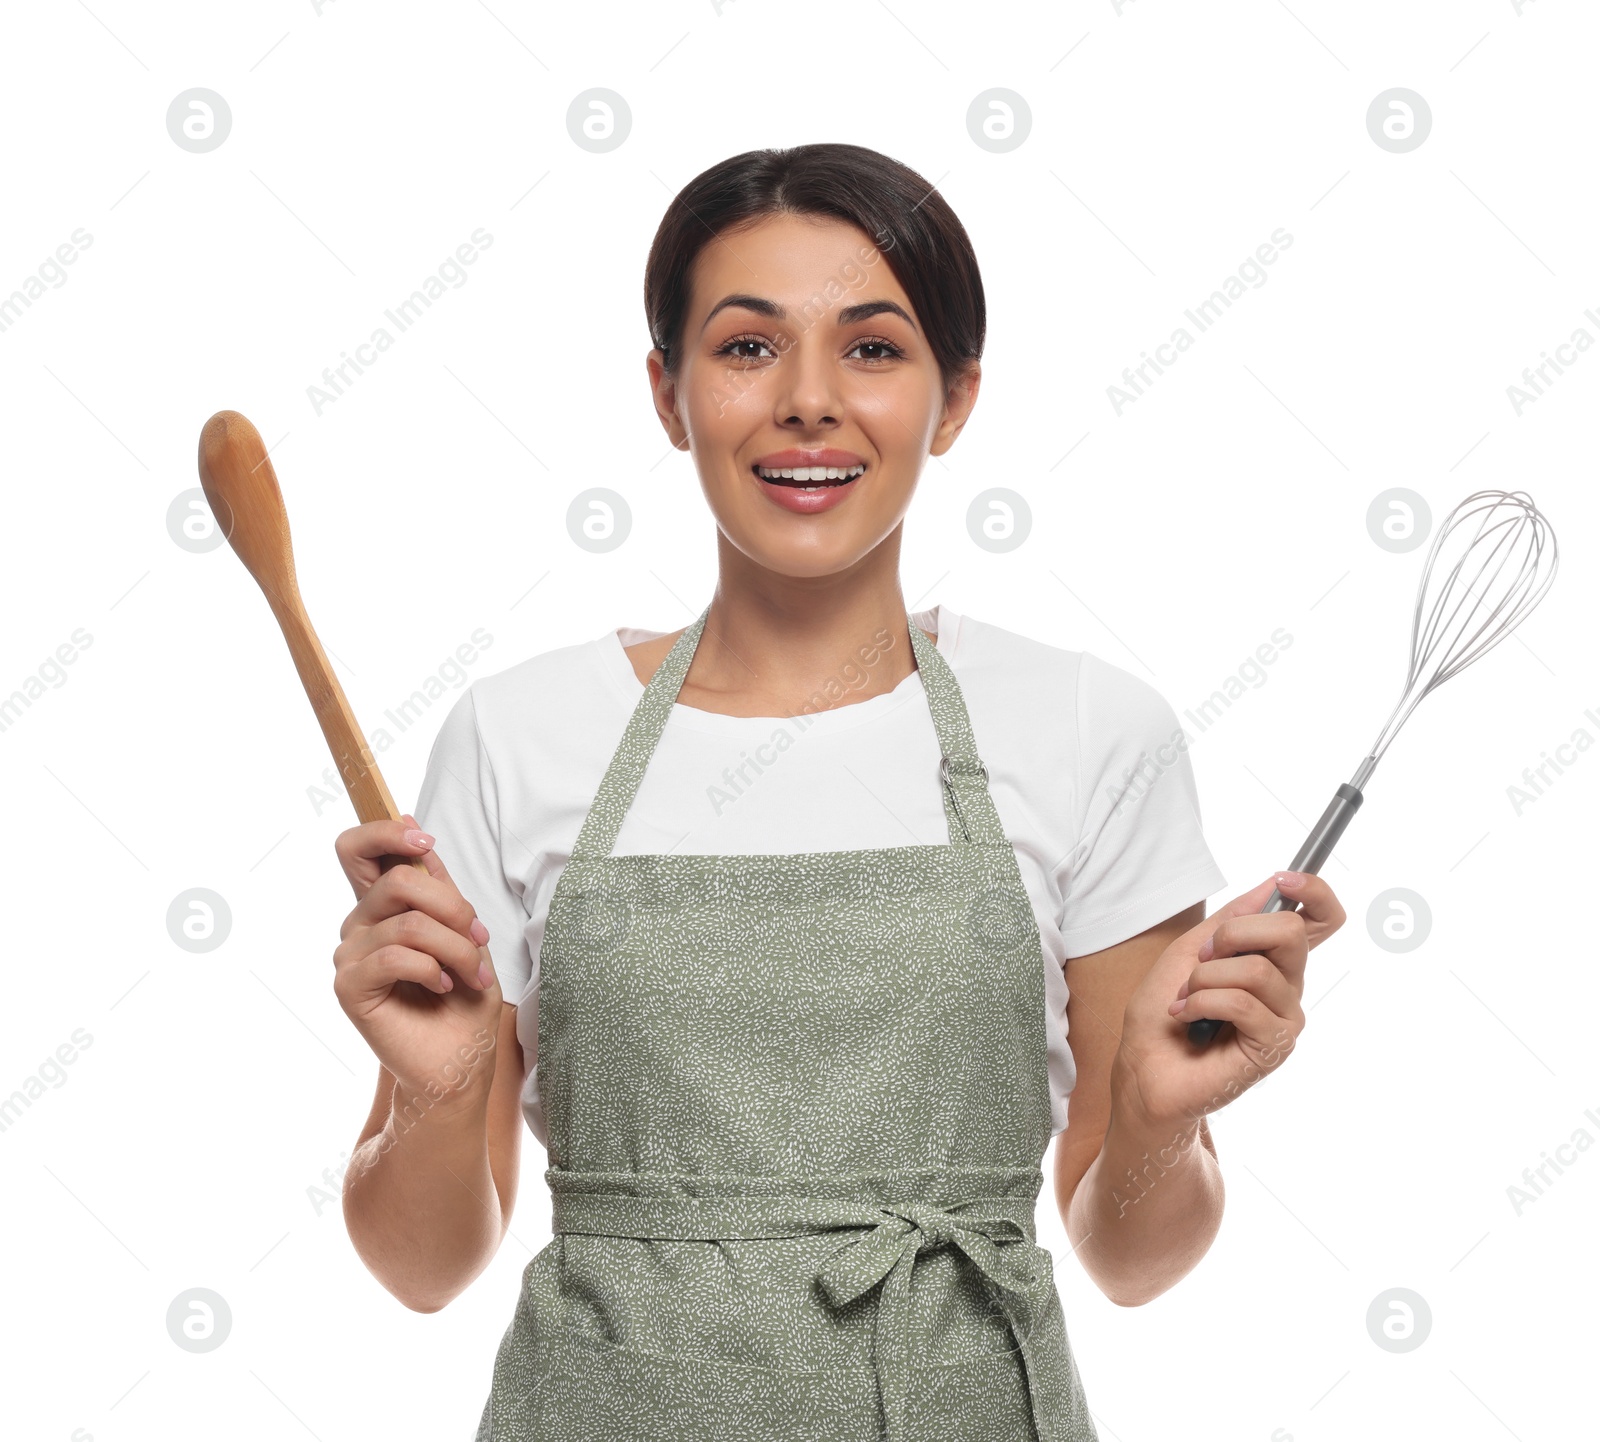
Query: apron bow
(889, 1250)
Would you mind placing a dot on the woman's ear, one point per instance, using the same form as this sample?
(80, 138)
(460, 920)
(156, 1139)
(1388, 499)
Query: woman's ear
(958, 403)
(664, 395)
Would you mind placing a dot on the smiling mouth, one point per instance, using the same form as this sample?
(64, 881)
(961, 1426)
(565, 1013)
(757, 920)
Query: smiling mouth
(808, 478)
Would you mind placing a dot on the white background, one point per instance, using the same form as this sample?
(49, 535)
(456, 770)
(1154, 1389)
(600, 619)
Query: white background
(182, 1147)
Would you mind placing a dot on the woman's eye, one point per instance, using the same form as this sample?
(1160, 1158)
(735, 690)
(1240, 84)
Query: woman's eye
(744, 347)
(886, 350)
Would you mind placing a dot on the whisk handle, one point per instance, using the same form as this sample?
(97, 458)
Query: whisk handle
(1318, 848)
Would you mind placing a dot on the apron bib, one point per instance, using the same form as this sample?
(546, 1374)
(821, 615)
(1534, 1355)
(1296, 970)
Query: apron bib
(796, 1109)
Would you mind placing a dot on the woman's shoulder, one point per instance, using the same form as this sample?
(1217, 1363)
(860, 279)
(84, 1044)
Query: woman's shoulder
(1003, 660)
(547, 695)
(1016, 670)
(556, 663)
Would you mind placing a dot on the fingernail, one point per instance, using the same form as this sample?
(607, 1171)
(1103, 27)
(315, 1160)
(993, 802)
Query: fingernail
(1290, 878)
(480, 932)
(414, 837)
(1177, 1006)
(1204, 951)
(446, 980)
(485, 976)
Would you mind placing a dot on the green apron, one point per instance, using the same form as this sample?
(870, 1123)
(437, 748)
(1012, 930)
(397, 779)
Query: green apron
(796, 1107)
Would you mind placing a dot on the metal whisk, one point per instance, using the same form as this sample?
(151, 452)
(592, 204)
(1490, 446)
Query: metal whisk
(1464, 610)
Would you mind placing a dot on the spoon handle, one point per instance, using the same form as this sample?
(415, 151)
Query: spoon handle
(242, 489)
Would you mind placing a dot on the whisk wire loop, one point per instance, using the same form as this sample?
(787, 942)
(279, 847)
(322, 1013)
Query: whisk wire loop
(1473, 607)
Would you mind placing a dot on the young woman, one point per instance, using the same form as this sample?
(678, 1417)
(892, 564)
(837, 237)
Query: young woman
(780, 907)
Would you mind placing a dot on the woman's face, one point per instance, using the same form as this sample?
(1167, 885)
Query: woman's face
(800, 349)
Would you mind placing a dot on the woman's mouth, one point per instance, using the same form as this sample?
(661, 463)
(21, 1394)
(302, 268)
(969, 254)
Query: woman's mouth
(807, 490)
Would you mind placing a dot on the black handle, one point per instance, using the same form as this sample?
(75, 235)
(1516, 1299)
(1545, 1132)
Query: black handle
(1318, 847)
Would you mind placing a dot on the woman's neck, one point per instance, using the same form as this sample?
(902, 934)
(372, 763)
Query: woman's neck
(813, 650)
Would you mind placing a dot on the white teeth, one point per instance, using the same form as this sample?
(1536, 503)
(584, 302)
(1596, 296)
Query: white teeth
(810, 473)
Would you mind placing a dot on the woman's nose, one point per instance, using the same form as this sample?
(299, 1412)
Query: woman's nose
(809, 393)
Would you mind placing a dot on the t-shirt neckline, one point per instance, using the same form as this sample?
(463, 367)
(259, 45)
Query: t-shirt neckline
(936, 618)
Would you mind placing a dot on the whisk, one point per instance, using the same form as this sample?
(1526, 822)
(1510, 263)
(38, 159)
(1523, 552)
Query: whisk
(1473, 609)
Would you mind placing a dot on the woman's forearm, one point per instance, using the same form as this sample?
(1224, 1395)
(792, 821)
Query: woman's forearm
(1147, 1209)
(420, 1201)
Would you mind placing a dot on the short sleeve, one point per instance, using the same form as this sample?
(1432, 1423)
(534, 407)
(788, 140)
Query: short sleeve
(459, 807)
(1141, 855)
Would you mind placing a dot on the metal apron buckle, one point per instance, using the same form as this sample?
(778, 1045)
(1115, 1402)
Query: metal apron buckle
(945, 775)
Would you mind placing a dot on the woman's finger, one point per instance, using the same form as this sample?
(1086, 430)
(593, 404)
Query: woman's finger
(475, 929)
(418, 931)
(372, 974)
(404, 888)
(1254, 973)
(1318, 905)
(362, 850)
(1266, 1036)
(435, 864)
(1278, 934)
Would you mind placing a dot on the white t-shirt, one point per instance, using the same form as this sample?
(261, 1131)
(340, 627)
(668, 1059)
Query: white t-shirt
(1088, 768)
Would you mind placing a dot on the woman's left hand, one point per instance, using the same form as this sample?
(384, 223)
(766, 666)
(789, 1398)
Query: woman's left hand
(1238, 966)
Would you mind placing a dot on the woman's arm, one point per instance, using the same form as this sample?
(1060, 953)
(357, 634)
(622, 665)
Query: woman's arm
(1150, 1201)
(1140, 1210)
(430, 1188)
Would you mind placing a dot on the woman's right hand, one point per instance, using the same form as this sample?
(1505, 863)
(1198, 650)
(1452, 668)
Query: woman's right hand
(407, 967)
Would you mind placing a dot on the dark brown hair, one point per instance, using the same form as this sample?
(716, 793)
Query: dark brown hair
(913, 228)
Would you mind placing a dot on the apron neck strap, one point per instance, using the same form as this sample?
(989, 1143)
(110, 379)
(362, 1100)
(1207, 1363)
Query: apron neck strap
(969, 810)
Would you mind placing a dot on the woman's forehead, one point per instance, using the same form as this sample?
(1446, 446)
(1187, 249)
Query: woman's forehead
(790, 258)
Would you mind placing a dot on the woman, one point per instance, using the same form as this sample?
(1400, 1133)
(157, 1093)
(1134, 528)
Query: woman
(779, 907)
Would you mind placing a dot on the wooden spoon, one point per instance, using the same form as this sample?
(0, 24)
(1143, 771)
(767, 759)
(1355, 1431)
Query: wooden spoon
(243, 491)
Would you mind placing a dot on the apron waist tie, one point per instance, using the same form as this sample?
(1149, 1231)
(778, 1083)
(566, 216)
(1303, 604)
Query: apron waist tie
(893, 1233)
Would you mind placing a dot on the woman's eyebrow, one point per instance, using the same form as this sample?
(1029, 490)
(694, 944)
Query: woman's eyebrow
(770, 308)
(852, 313)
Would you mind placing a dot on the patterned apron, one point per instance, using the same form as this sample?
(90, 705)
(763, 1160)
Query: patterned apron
(796, 1109)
